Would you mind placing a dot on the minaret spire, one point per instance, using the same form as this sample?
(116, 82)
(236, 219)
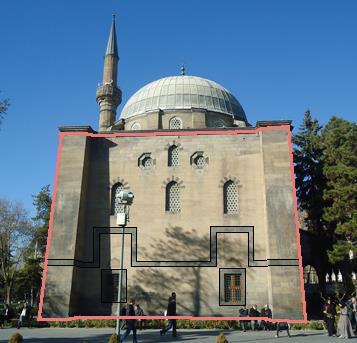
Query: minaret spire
(112, 48)
(108, 93)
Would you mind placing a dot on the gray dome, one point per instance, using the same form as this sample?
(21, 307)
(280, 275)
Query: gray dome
(183, 92)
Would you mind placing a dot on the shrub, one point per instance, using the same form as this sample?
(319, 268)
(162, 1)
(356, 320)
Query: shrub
(316, 325)
(16, 338)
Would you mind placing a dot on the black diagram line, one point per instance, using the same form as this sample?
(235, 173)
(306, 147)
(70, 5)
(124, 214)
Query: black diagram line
(213, 256)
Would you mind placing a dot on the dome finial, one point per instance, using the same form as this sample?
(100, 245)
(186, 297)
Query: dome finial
(182, 69)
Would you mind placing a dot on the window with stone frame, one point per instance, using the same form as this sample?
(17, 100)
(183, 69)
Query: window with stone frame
(173, 199)
(175, 123)
(173, 156)
(232, 286)
(116, 206)
(230, 197)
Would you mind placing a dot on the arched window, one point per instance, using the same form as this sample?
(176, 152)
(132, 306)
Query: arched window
(173, 201)
(116, 207)
(173, 156)
(230, 198)
(310, 275)
(175, 123)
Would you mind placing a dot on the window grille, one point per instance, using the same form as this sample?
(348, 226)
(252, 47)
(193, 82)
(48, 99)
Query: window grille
(230, 198)
(232, 288)
(173, 201)
(148, 163)
(117, 208)
(175, 123)
(173, 156)
(200, 161)
(219, 123)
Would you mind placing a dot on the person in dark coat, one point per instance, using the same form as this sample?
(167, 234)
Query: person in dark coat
(123, 313)
(7, 315)
(266, 312)
(130, 323)
(243, 312)
(171, 311)
(329, 312)
(253, 312)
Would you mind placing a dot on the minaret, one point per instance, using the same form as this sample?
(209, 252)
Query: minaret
(108, 93)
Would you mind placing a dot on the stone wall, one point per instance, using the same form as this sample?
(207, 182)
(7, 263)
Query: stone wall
(258, 163)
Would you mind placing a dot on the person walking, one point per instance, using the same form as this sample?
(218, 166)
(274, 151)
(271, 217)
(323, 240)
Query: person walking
(329, 317)
(171, 311)
(130, 323)
(23, 315)
(344, 328)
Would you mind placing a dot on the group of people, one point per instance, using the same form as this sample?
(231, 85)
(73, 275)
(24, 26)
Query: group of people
(257, 324)
(132, 309)
(347, 324)
(8, 314)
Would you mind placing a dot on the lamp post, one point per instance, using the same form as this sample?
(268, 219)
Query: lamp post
(124, 198)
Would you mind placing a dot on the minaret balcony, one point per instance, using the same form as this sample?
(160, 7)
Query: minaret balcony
(109, 91)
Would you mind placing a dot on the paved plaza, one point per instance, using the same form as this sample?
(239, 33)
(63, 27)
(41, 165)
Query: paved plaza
(57, 335)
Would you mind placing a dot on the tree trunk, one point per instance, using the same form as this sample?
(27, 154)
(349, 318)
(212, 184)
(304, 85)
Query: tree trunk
(8, 294)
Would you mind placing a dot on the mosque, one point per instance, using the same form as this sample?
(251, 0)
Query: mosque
(214, 215)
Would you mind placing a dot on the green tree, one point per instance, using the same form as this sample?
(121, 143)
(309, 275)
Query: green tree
(42, 202)
(340, 169)
(309, 178)
(30, 276)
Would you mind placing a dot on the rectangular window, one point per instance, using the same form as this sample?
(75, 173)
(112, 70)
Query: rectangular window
(232, 287)
(110, 284)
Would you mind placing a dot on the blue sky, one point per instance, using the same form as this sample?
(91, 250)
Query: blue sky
(277, 57)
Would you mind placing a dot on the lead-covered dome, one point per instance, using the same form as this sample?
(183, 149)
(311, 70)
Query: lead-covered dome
(183, 92)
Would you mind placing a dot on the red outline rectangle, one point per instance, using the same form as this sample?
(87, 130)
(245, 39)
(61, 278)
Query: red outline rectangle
(176, 133)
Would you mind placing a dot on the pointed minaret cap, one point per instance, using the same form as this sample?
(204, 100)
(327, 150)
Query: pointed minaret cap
(112, 48)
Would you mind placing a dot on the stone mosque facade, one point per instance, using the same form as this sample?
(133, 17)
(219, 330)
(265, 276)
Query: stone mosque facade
(213, 217)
